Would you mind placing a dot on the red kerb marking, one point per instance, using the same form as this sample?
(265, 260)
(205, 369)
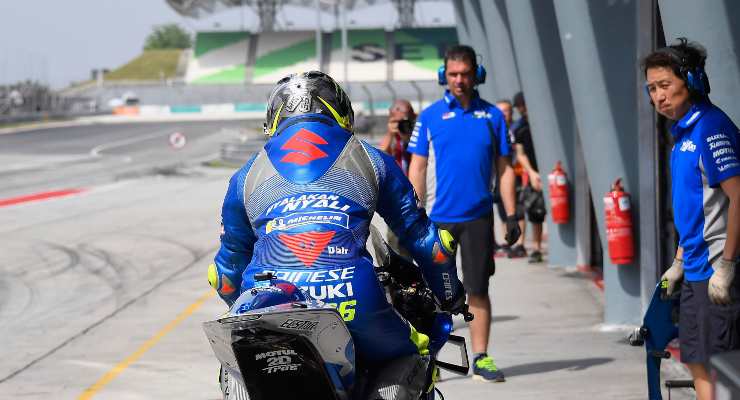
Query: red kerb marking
(38, 196)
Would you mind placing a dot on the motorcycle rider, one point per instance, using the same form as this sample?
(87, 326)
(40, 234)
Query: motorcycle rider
(301, 209)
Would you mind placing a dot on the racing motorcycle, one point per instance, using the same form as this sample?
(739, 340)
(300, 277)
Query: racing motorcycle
(276, 342)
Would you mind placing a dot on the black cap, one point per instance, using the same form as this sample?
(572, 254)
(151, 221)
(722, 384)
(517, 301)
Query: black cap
(518, 100)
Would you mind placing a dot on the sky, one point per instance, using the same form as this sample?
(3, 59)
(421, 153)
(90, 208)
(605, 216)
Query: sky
(60, 41)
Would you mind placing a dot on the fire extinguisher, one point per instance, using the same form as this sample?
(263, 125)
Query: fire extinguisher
(618, 213)
(558, 188)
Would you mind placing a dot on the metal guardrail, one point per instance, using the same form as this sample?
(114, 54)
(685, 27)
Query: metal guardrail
(237, 152)
(47, 116)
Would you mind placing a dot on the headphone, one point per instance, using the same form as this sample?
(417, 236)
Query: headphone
(697, 81)
(480, 72)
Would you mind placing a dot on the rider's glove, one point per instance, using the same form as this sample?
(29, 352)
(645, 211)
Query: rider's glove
(720, 282)
(512, 230)
(673, 276)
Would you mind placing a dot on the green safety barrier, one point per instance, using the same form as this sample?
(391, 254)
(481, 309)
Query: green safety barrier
(243, 107)
(186, 109)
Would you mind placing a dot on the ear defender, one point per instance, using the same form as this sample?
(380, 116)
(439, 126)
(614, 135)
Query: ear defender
(697, 81)
(441, 77)
(480, 75)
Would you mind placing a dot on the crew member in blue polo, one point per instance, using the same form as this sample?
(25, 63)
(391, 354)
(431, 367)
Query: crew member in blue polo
(458, 145)
(705, 171)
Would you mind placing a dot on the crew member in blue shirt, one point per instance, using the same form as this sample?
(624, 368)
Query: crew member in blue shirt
(458, 145)
(705, 171)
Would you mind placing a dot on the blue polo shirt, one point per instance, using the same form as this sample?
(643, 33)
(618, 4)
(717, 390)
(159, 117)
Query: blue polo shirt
(705, 153)
(461, 146)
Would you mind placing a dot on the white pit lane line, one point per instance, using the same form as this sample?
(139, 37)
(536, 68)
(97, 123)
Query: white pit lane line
(97, 150)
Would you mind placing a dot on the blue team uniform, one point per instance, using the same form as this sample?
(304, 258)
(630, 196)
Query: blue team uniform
(705, 153)
(301, 209)
(459, 183)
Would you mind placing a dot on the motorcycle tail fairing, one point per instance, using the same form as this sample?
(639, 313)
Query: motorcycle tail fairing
(286, 350)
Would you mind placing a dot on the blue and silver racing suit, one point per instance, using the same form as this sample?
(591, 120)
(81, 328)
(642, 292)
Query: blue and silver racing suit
(301, 208)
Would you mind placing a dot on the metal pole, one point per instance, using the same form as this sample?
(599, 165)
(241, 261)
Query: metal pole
(345, 53)
(370, 104)
(318, 34)
(390, 89)
(241, 14)
(419, 95)
(650, 248)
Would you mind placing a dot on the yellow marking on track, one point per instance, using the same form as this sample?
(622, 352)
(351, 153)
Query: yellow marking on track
(120, 367)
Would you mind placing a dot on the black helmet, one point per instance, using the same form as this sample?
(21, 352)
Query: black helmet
(312, 92)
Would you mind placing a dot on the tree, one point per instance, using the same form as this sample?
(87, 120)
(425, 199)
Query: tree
(169, 36)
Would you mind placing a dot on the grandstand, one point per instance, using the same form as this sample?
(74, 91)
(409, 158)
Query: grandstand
(368, 58)
(235, 70)
(263, 58)
(280, 53)
(218, 57)
(419, 51)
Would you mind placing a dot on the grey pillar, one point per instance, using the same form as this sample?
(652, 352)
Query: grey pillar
(714, 24)
(598, 40)
(544, 80)
(463, 35)
(651, 249)
(502, 71)
(479, 41)
(583, 203)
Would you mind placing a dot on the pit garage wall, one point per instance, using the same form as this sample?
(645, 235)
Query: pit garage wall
(714, 24)
(578, 63)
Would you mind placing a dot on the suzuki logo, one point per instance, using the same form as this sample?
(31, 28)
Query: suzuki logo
(303, 144)
(688, 145)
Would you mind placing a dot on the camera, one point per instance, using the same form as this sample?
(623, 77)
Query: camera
(405, 126)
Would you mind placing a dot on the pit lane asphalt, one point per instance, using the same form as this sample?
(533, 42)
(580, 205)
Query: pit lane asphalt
(95, 154)
(102, 293)
(70, 266)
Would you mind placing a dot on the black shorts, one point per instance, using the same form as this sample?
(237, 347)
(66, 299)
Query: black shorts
(704, 328)
(475, 242)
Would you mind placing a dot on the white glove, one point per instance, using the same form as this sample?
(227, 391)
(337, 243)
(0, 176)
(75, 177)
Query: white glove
(673, 276)
(720, 282)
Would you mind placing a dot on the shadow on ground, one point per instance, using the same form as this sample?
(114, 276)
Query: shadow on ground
(495, 319)
(547, 366)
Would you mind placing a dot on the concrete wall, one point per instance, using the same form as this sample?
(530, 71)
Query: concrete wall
(539, 57)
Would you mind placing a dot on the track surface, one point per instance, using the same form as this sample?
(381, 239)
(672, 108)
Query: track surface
(79, 274)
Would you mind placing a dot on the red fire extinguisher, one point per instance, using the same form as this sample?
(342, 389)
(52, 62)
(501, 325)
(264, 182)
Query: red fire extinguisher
(617, 208)
(558, 188)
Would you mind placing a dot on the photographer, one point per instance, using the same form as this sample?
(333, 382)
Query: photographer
(401, 118)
